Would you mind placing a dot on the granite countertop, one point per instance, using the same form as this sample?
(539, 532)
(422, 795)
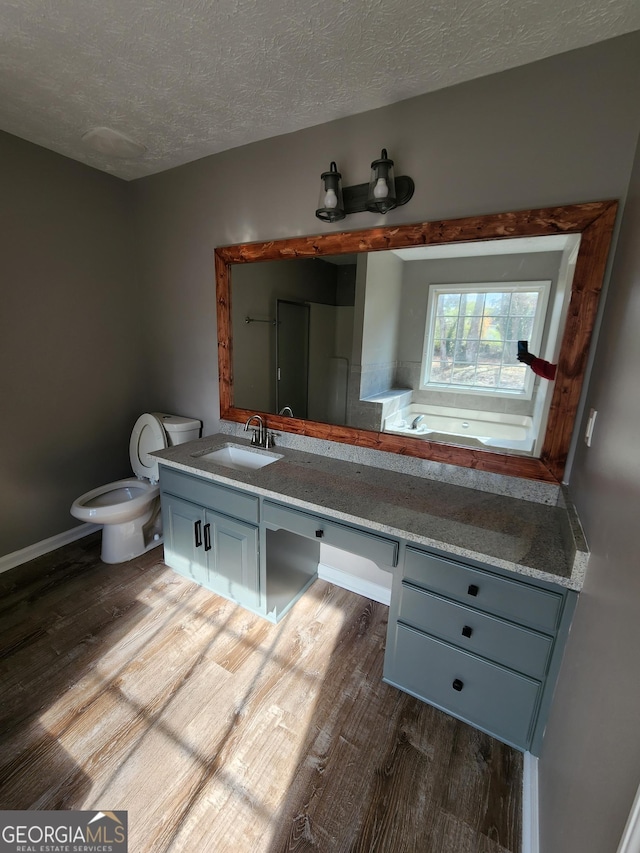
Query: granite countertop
(529, 538)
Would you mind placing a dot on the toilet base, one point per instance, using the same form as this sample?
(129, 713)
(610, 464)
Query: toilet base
(130, 539)
(117, 550)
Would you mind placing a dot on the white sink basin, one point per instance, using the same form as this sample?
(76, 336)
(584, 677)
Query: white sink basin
(240, 458)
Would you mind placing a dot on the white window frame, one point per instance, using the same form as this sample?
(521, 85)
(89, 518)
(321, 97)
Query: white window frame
(535, 341)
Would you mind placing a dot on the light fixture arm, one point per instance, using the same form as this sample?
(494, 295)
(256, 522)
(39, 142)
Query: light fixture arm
(355, 198)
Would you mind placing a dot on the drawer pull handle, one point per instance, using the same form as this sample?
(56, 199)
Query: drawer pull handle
(457, 685)
(467, 631)
(207, 537)
(473, 589)
(197, 532)
(319, 534)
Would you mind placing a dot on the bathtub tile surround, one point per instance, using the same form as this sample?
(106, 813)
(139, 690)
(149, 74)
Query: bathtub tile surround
(409, 374)
(370, 412)
(498, 484)
(508, 532)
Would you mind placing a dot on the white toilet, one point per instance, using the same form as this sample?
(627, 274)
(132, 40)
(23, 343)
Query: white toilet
(130, 509)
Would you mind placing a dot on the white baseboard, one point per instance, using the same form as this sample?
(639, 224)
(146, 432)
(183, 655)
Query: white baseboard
(17, 558)
(530, 833)
(361, 586)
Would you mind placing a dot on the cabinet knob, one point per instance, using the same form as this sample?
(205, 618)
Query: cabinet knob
(457, 685)
(473, 589)
(197, 533)
(467, 631)
(319, 534)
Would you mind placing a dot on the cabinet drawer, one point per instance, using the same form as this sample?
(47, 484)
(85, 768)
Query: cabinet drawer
(497, 700)
(515, 600)
(377, 548)
(208, 494)
(476, 632)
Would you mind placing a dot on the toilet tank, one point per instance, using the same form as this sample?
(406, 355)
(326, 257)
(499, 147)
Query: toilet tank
(179, 430)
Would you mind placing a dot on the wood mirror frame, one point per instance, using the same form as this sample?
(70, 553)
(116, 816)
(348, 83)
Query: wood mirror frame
(594, 222)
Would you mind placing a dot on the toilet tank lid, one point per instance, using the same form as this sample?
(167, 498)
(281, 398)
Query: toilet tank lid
(176, 423)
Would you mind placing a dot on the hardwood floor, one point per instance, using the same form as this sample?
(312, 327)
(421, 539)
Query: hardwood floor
(128, 687)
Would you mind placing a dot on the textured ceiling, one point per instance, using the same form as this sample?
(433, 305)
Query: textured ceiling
(188, 78)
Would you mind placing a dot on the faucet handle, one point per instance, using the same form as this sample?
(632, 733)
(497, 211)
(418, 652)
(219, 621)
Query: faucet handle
(255, 436)
(269, 439)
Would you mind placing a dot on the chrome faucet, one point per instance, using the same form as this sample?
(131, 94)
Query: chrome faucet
(261, 436)
(286, 410)
(416, 421)
(259, 432)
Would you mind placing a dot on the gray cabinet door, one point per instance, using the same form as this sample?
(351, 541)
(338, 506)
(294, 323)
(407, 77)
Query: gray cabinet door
(183, 524)
(232, 558)
(216, 551)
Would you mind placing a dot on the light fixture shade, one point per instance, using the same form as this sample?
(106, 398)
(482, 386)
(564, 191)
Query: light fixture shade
(382, 185)
(330, 203)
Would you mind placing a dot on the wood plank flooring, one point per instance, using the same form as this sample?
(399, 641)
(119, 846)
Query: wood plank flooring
(128, 687)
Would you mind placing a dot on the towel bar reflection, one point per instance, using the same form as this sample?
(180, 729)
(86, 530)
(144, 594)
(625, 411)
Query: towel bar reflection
(258, 320)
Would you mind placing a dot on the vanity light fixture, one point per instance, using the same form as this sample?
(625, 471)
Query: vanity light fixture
(330, 205)
(380, 195)
(382, 185)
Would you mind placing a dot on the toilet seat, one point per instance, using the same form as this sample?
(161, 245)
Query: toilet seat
(115, 502)
(147, 436)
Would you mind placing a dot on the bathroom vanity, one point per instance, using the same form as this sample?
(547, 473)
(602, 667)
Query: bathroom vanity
(484, 586)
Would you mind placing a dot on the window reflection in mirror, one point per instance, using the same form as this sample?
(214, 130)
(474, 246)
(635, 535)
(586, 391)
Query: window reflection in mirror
(419, 342)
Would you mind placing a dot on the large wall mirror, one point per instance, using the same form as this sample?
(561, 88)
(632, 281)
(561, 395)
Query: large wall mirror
(404, 339)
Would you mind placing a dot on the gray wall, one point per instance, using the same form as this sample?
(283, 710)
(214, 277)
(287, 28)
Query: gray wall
(560, 131)
(556, 132)
(70, 338)
(590, 763)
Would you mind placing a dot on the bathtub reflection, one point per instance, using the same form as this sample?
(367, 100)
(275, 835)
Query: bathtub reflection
(489, 429)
